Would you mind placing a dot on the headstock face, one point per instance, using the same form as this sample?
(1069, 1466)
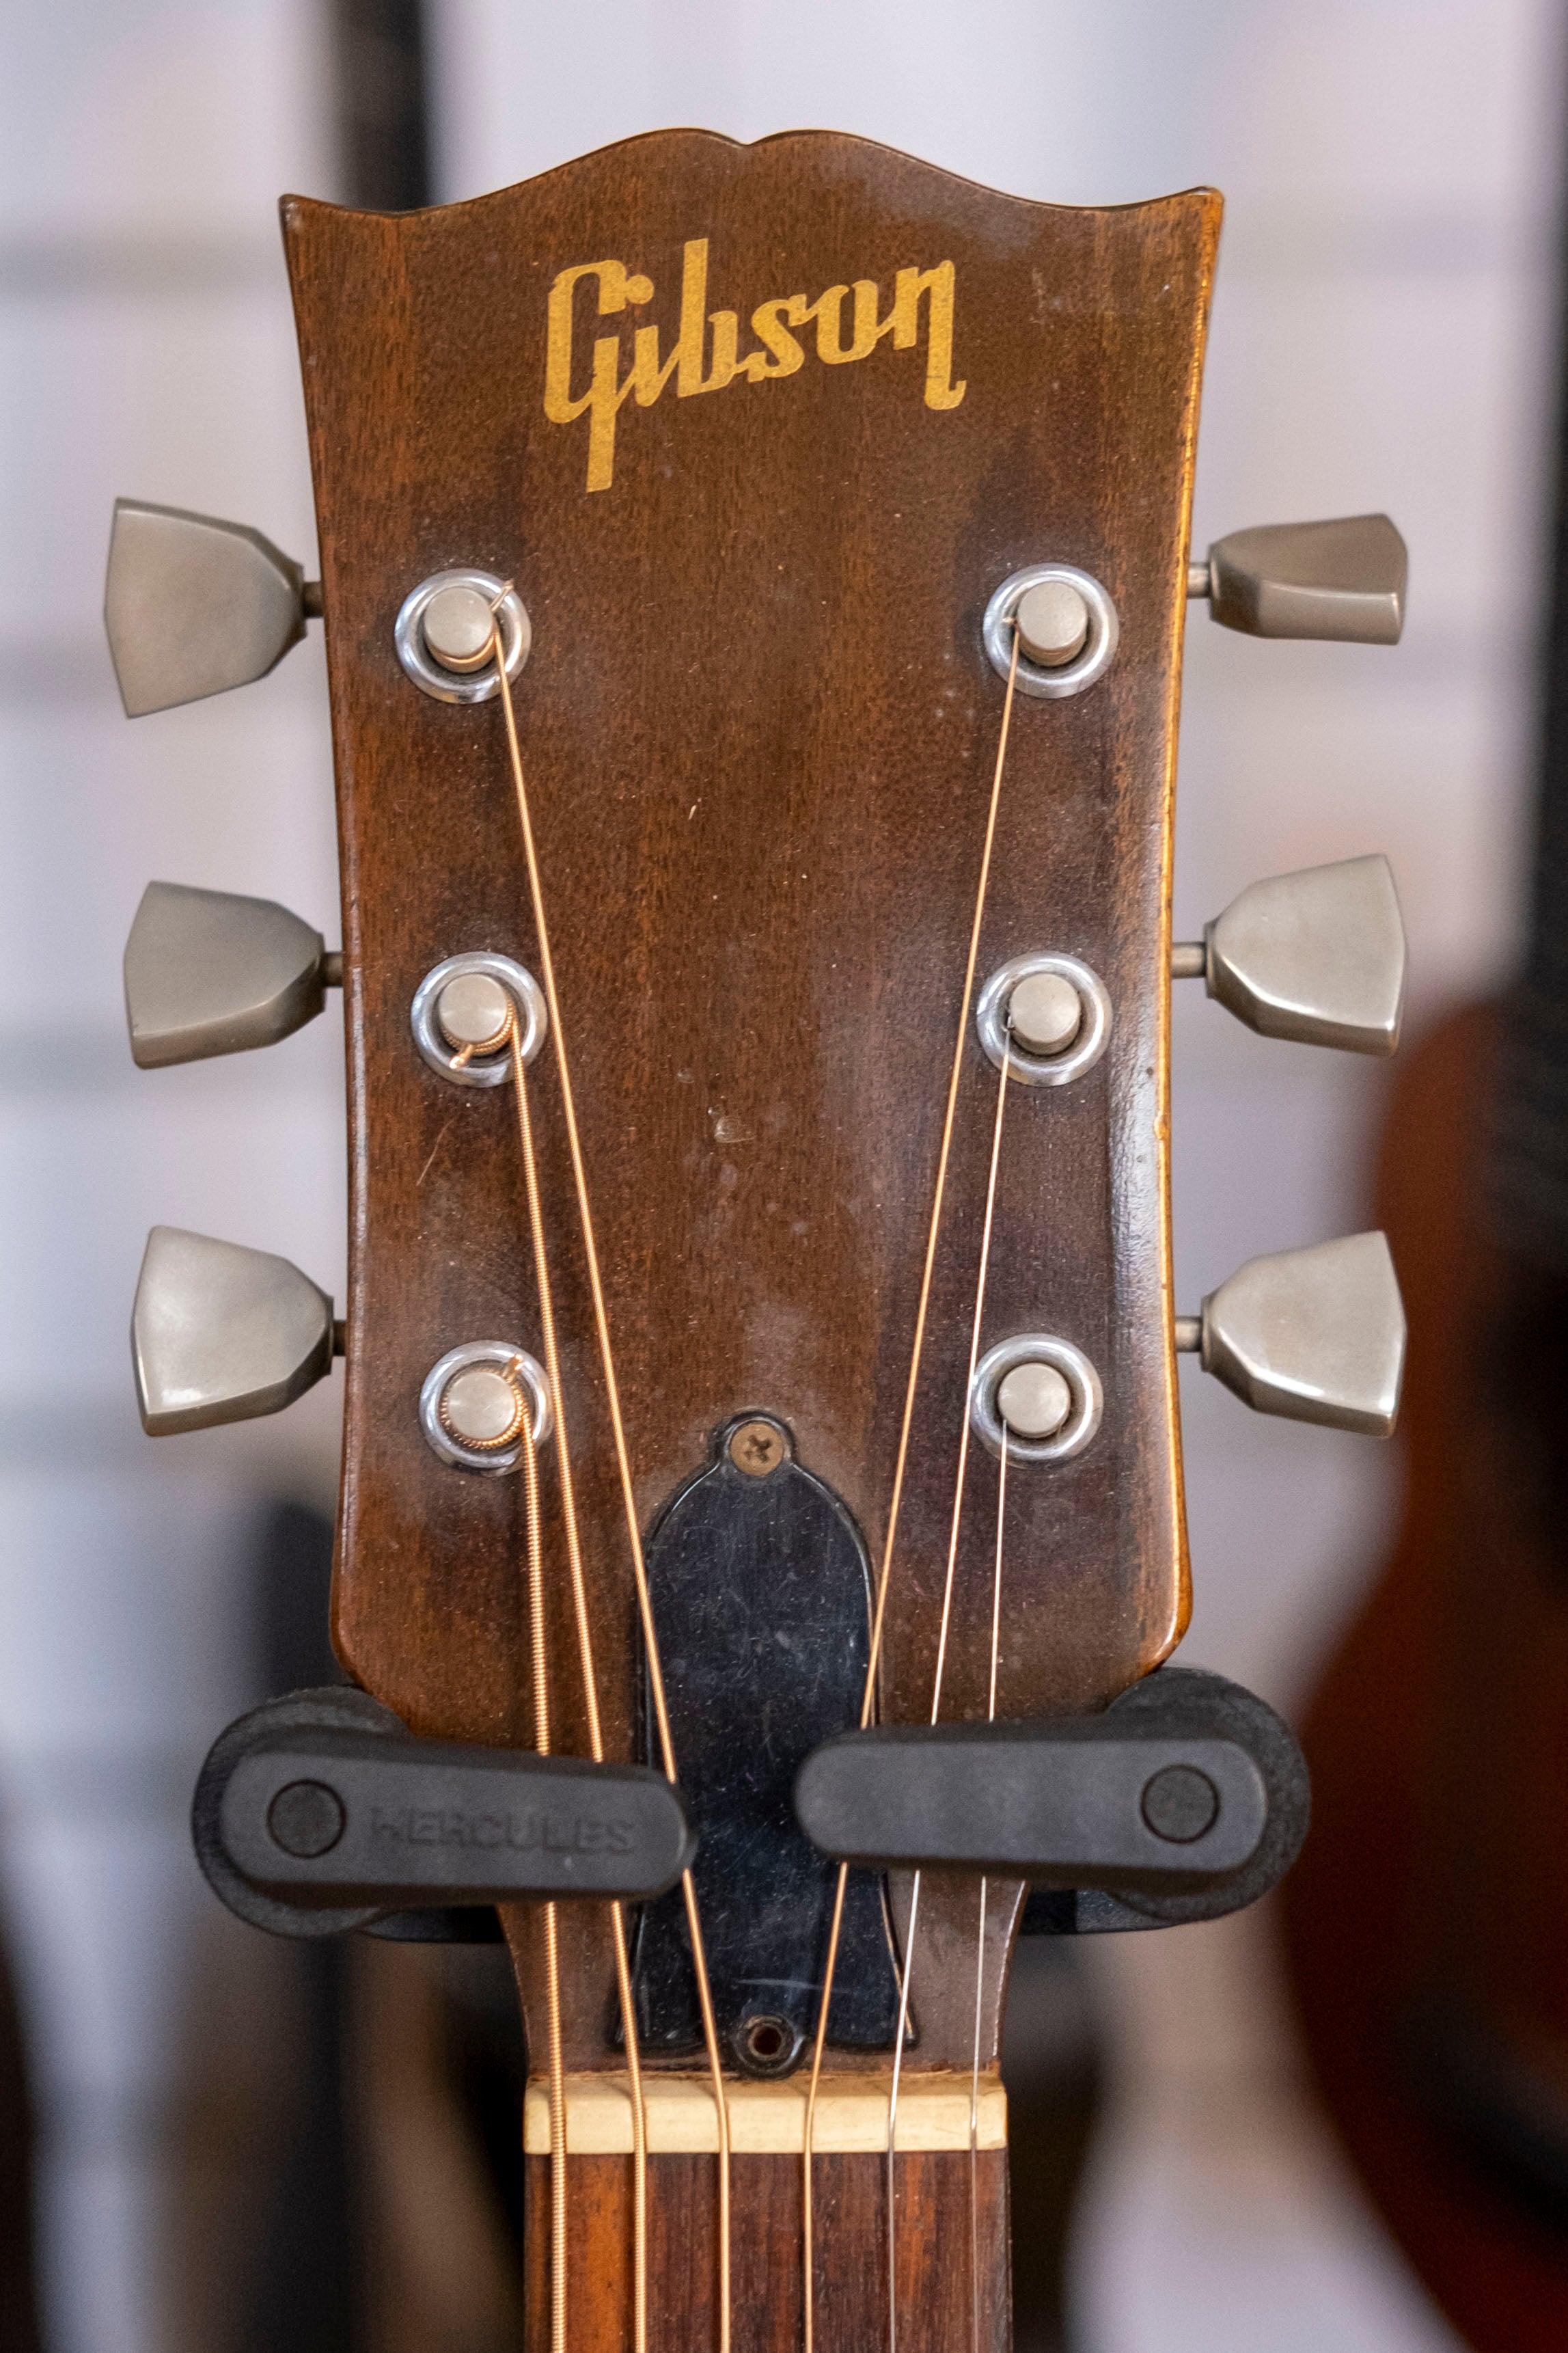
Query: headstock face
(759, 726)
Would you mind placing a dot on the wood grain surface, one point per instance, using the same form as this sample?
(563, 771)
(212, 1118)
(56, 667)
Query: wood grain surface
(935, 2309)
(759, 727)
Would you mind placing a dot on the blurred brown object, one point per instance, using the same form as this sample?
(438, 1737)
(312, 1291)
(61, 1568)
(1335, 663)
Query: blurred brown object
(441, 2254)
(1428, 1919)
(1051, 2065)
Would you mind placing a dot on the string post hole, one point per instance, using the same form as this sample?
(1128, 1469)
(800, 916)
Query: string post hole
(1052, 628)
(483, 1403)
(767, 2045)
(1036, 1397)
(1047, 1015)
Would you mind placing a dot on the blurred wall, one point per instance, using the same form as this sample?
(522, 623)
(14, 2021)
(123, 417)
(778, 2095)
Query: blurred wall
(1387, 301)
(147, 348)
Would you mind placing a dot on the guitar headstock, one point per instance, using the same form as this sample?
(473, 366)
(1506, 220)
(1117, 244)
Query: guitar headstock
(830, 516)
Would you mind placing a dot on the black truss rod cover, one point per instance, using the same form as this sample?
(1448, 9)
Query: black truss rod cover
(319, 1813)
(1185, 1798)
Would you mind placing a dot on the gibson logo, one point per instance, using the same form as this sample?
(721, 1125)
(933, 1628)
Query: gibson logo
(779, 352)
(448, 1826)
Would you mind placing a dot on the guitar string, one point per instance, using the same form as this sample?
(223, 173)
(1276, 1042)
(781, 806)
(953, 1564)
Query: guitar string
(938, 1677)
(985, 1884)
(623, 1465)
(590, 1678)
(868, 1700)
(539, 1659)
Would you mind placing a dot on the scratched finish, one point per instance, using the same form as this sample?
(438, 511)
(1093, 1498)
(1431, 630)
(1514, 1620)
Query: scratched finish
(760, 729)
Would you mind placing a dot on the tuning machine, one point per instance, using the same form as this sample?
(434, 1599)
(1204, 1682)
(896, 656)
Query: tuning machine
(194, 605)
(1342, 580)
(219, 1333)
(1316, 957)
(209, 972)
(1314, 1335)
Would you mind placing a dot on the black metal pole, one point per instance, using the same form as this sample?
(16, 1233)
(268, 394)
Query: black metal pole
(383, 128)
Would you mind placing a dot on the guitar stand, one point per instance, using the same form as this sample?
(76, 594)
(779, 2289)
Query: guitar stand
(1187, 1797)
(319, 1813)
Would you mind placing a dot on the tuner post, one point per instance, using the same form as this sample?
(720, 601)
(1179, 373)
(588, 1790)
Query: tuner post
(1052, 622)
(460, 628)
(445, 631)
(475, 1014)
(483, 1406)
(482, 1402)
(1045, 1013)
(1037, 1397)
(1034, 1400)
(462, 1017)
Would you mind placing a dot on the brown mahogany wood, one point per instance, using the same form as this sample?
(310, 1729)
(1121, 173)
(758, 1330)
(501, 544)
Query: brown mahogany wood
(759, 727)
(1432, 1873)
(933, 2252)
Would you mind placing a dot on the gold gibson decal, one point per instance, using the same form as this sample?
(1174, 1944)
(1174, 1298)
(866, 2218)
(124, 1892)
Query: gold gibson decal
(688, 362)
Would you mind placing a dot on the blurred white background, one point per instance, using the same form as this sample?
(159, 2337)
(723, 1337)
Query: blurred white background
(1383, 336)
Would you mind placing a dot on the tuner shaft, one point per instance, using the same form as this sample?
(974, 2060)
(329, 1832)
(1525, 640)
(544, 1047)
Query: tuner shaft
(1342, 580)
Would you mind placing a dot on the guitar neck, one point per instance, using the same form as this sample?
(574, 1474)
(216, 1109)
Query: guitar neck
(949, 2247)
(945, 2261)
